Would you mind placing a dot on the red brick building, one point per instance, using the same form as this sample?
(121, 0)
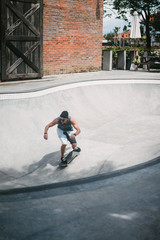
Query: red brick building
(72, 36)
(45, 37)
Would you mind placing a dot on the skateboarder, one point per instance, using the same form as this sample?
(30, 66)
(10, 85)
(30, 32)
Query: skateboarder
(66, 126)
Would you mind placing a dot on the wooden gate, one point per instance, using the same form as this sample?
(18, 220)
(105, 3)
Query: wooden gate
(21, 39)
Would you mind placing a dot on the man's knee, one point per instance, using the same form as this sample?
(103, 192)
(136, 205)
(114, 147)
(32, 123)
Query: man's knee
(73, 140)
(74, 145)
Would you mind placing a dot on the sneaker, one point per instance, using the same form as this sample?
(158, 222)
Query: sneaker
(63, 160)
(77, 149)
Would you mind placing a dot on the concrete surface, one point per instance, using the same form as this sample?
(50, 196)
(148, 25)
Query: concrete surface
(118, 113)
(125, 207)
(56, 80)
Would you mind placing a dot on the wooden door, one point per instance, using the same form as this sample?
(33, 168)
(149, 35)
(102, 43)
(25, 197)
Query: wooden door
(21, 39)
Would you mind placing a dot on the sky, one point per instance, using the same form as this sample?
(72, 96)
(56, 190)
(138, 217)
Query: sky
(110, 23)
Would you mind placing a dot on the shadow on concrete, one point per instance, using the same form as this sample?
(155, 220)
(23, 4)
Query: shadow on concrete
(80, 184)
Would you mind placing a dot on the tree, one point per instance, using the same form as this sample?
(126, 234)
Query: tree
(125, 28)
(108, 8)
(145, 8)
(110, 39)
(156, 21)
(116, 30)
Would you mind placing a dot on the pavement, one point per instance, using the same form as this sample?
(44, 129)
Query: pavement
(111, 190)
(118, 113)
(124, 207)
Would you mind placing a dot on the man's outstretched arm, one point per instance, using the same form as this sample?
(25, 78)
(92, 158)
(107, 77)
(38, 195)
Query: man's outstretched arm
(51, 124)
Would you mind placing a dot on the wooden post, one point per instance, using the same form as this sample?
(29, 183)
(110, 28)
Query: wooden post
(3, 39)
(41, 38)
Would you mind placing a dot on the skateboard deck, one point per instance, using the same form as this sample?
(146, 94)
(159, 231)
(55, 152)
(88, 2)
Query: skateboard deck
(70, 156)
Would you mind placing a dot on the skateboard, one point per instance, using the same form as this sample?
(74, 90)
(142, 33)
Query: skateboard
(70, 156)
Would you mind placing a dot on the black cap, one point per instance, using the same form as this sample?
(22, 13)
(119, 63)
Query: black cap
(64, 114)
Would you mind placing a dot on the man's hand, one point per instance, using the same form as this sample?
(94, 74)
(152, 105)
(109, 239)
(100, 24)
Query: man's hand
(72, 136)
(45, 136)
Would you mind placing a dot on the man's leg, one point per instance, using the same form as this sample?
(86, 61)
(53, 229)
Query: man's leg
(63, 140)
(63, 148)
(74, 145)
(71, 140)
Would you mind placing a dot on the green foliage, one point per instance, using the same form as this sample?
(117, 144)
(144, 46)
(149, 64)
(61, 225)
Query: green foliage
(144, 8)
(110, 36)
(116, 30)
(108, 8)
(156, 22)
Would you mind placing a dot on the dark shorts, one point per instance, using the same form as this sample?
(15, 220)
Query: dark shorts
(73, 140)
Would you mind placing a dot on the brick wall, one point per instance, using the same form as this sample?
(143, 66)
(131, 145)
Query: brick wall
(72, 36)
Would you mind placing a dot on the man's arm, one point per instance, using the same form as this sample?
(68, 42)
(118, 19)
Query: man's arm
(51, 124)
(73, 122)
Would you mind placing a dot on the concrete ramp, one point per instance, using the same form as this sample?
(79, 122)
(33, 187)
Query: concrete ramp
(119, 121)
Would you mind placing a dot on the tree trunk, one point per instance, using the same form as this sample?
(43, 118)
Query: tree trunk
(148, 36)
